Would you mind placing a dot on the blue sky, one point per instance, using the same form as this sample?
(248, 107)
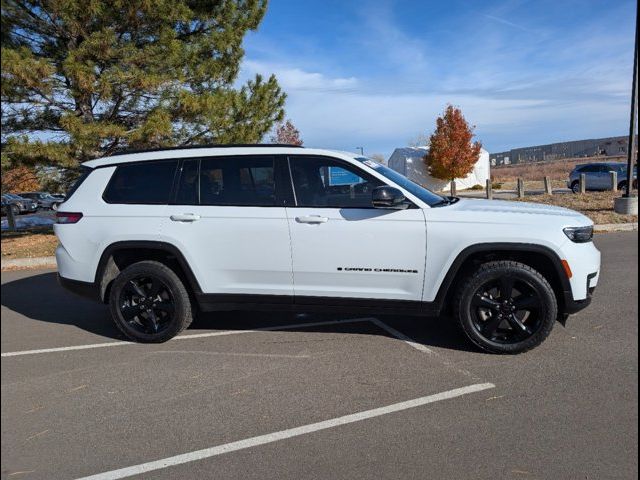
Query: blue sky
(377, 73)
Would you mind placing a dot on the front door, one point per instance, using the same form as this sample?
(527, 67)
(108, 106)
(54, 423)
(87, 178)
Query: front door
(228, 220)
(341, 245)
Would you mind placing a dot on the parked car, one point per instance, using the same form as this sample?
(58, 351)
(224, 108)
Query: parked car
(44, 199)
(163, 234)
(6, 206)
(59, 196)
(598, 176)
(24, 205)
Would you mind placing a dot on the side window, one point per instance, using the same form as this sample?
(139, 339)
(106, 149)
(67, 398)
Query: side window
(246, 180)
(324, 182)
(187, 192)
(142, 183)
(590, 169)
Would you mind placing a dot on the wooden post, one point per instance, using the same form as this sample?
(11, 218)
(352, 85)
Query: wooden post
(489, 189)
(11, 219)
(547, 186)
(583, 183)
(520, 188)
(453, 188)
(614, 181)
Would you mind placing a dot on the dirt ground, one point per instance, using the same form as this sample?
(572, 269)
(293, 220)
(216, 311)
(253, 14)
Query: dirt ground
(28, 244)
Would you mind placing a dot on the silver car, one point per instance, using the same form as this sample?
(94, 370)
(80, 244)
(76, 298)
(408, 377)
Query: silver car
(598, 176)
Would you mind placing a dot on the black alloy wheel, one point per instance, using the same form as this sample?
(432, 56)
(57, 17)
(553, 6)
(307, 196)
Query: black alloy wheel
(506, 307)
(146, 304)
(149, 302)
(506, 310)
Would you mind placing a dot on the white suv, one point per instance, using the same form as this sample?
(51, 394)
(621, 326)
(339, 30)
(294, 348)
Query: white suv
(161, 234)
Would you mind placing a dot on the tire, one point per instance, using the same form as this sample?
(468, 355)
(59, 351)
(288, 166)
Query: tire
(149, 303)
(15, 210)
(509, 325)
(575, 187)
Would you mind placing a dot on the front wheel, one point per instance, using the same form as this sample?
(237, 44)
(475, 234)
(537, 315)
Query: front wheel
(149, 302)
(575, 187)
(506, 307)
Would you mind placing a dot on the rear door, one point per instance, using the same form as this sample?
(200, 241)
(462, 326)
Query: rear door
(342, 246)
(228, 219)
(603, 177)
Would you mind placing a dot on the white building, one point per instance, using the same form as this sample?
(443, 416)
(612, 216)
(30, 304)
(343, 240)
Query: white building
(409, 161)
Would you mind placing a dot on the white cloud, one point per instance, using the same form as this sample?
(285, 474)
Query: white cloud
(346, 112)
(298, 79)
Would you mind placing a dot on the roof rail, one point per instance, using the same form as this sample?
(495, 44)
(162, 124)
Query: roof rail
(212, 145)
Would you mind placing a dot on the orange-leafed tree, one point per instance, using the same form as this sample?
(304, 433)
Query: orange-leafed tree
(286, 132)
(452, 154)
(19, 179)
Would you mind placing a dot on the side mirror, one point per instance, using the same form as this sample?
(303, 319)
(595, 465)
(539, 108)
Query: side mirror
(388, 197)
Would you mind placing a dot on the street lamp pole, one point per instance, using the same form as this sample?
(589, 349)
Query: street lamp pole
(631, 154)
(628, 203)
(361, 150)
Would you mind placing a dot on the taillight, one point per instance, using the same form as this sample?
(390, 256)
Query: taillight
(68, 217)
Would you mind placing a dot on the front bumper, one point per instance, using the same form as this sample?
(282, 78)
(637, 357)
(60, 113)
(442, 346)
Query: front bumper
(572, 306)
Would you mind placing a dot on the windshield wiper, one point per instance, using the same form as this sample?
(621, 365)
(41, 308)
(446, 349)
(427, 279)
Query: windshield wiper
(446, 201)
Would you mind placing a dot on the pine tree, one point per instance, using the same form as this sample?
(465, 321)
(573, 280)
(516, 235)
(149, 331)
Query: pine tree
(286, 133)
(88, 78)
(451, 153)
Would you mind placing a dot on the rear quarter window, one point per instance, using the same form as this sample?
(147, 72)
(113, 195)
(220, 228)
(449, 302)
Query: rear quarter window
(84, 173)
(146, 183)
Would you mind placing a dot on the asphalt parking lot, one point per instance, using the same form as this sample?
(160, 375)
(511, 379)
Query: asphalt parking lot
(272, 396)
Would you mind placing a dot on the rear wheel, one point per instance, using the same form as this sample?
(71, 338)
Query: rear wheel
(506, 307)
(149, 302)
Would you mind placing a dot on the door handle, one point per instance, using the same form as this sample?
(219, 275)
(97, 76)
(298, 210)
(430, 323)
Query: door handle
(312, 219)
(185, 217)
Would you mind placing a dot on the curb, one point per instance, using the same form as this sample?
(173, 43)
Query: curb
(35, 262)
(616, 227)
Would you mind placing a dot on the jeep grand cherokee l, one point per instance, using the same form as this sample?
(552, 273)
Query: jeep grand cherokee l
(160, 235)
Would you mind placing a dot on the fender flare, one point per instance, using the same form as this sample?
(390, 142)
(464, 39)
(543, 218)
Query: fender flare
(465, 254)
(104, 264)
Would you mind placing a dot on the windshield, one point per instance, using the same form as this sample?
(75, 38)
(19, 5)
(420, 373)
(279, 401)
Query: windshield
(427, 196)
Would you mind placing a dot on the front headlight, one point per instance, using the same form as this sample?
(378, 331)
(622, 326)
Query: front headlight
(579, 234)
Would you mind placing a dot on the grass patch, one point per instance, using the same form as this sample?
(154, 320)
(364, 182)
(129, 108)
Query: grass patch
(598, 206)
(28, 244)
(556, 170)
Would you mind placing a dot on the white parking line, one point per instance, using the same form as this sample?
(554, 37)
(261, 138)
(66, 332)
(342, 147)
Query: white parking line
(401, 336)
(423, 348)
(284, 434)
(181, 337)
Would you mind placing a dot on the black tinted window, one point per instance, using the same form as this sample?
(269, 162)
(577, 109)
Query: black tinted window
(242, 181)
(323, 182)
(142, 183)
(187, 193)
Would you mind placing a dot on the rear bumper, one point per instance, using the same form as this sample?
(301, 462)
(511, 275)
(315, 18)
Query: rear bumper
(84, 289)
